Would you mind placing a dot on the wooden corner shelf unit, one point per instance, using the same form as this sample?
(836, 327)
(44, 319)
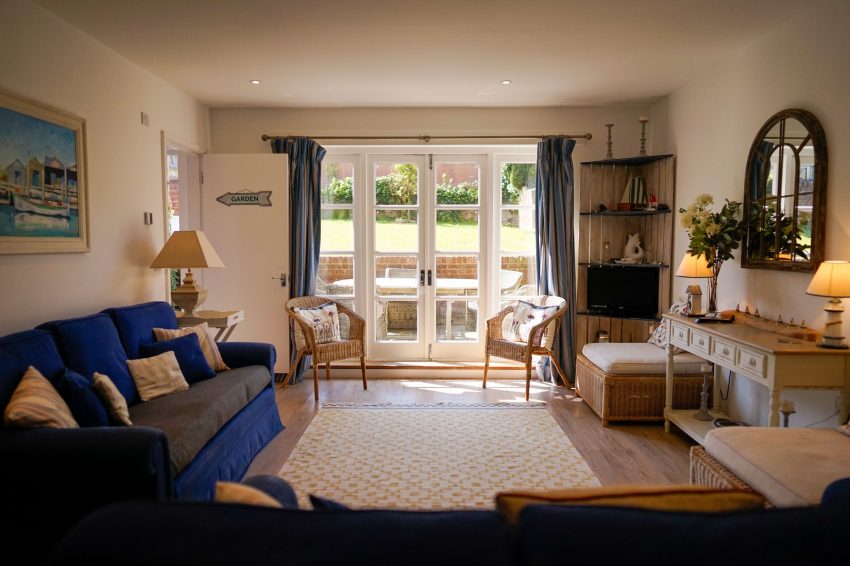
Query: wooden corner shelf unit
(603, 235)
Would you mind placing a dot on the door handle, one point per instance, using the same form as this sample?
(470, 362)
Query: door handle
(429, 277)
(421, 277)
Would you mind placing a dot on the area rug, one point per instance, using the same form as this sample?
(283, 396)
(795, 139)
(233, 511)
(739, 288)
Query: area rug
(436, 456)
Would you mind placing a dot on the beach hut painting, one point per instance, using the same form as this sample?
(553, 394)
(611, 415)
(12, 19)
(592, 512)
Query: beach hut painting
(42, 179)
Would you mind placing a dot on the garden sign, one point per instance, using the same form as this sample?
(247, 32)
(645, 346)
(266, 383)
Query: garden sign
(245, 197)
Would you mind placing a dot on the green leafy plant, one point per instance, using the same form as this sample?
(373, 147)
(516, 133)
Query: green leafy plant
(766, 240)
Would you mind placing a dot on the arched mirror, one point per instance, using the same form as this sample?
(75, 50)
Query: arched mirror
(785, 195)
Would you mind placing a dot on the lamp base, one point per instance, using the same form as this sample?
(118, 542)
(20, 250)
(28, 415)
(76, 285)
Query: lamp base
(189, 295)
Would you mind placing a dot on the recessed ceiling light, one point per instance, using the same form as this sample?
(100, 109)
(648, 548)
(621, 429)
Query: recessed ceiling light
(507, 82)
(255, 82)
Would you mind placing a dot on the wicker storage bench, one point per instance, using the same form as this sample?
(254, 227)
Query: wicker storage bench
(634, 396)
(707, 471)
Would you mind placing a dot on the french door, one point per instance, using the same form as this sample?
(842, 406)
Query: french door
(425, 256)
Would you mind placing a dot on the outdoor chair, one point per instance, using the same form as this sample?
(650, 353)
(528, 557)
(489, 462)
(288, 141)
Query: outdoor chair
(540, 338)
(350, 345)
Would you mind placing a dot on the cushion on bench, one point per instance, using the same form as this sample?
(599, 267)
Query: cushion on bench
(638, 358)
(789, 466)
(191, 418)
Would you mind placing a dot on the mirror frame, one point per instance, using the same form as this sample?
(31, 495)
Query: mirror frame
(818, 141)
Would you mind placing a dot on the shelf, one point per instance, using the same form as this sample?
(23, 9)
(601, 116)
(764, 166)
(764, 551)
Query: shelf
(625, 212)
(637, 160)
(685, 421)
(587, 313)
(625, 265)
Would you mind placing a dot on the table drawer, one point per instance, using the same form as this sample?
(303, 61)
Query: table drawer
(679, 335)
(751, 362)
(700, 341)
(723, 350)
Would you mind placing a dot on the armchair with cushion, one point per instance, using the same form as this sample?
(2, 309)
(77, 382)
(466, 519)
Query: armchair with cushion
(502, 341)
(350, 345)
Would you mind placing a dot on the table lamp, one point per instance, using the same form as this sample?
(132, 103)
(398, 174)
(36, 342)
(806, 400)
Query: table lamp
(188, 249)
(832, 280)
(695, 267)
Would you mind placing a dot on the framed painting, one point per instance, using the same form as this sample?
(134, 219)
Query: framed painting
(43, 190)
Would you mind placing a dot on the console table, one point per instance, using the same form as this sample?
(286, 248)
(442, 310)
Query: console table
(774, 361)
(224, 321)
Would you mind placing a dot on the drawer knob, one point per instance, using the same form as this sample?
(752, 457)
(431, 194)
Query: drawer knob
(725, 351)
(752, 362)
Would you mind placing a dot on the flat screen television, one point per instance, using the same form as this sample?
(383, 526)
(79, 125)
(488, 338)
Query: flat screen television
(622, 291)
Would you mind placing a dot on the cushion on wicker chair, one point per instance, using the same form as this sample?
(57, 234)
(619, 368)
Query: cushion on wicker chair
(638, 359)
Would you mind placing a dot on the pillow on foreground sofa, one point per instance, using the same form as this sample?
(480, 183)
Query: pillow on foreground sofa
(231, 534)
(180, 444)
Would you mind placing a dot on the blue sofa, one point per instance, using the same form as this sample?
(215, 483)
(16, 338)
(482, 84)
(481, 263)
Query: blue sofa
(181, 443)
(209, 533)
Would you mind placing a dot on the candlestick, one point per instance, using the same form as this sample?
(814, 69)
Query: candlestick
(643, 120)
(609, 155)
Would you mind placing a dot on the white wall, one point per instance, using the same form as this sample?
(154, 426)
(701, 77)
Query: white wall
(45, 59)
(710, 124)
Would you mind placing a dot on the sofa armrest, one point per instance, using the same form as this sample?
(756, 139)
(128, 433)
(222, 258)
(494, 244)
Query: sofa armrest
(241, 354)
(51, 478)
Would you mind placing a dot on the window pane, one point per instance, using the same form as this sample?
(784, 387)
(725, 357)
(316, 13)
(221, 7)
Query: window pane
(457, 275)
(461, 324)
(517, 230)
(337, 230)
(336, 275)
(457, 230)
(396, 184)
(396, 231)
(457, 183)
(397, 275)
(517, 276)
(518, 183)
(395, 321)
(337, 183)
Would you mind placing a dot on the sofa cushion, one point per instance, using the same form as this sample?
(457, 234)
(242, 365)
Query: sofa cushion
(116, 404)
(205, 339)
(191, 418)
(135, 323)
(23, 349)
(91, 344)
(35, 403)
(789, 466)
(157, 376)
(234, 492)
(82, 398)
(638, 359)
(190, 358)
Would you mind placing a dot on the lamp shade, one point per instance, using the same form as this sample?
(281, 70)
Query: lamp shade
(694, 266)
(187, 248)
(832, 279)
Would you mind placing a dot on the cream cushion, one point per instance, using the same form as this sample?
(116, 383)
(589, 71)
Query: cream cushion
(208, 345)
(789, 466)
(638, 358)
(115, 403)
(157, 376)
(231, 492)
(35, 403)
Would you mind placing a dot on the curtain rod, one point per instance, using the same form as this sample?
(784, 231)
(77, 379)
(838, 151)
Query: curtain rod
(426, 138)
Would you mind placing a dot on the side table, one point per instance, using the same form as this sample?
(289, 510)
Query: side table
(224, 321)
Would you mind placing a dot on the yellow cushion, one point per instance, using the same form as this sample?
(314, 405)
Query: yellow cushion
(35, 403)
(230, 492)
(115, 403)
(157, 376)
(693, 498)
(208, 345)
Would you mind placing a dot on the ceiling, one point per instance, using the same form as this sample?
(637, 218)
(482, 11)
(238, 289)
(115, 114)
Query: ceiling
(335, 53)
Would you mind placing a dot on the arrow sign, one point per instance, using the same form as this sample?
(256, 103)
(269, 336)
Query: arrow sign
(259, 198)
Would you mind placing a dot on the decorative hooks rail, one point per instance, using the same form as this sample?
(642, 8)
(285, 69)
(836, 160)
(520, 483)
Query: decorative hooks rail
(427, 138)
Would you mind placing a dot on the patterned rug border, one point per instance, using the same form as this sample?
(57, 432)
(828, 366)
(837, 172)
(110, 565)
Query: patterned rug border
(441, 405)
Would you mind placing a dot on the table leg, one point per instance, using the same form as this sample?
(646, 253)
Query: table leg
(227, 334)
(715, 389)
(668, 389)
(773, 419)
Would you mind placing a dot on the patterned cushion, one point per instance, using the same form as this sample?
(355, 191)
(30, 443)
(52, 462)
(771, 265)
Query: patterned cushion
(190, 357)
(115, 403)
(659, 336)
(82, 398)
(157, 376)
(36, 404)
(230, 492)
(324, 320)
(526, 317)
(208, 345)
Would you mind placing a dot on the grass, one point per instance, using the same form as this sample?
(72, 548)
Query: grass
(337, 235)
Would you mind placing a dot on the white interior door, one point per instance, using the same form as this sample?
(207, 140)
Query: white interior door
(253, 243)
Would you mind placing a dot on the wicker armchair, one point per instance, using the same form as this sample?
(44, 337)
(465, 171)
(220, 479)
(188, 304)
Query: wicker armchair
(539, 343)
(352, 344)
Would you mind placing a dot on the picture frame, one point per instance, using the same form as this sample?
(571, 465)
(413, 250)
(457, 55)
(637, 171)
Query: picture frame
(43, 183)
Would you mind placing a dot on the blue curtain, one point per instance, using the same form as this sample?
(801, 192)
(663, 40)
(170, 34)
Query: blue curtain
(305, 208)
(556, 243)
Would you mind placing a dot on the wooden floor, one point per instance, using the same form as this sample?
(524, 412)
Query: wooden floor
(619, 454)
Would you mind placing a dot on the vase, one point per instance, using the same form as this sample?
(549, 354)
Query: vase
(712, 286)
